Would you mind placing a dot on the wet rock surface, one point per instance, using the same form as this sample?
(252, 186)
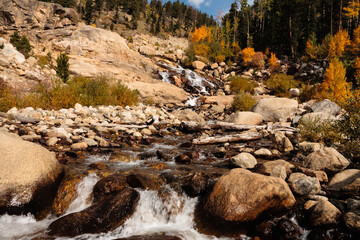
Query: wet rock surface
(102, 216)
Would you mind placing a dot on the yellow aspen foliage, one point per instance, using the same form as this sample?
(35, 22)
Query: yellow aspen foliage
(355, 43)
(339, 43)
(93, 25)
(352, 11)
(202, 33)
(335, 86)
(357, 68)
(201, 49)
(235, 48)
(267, 51)
(248, 54)
(311, 49)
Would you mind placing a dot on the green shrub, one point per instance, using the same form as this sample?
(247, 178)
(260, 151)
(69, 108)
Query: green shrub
(349, 124)
(317, 130)
(62, 69)
(238, 84)
(243, 101)
(22, 44)
(2, 46)
(42, 61)
(309, 92)
(281, 83)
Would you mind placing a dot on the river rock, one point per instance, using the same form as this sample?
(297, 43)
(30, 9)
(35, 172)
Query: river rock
(188, 115)
(267, 167)
(346, 182)
(327, 159)
(247, 118)
(198, 65)
(147, 50)
(310, 147)
(196, 185)
(102, 216)
(28, 173)
(79, 146)
(263, 152)
(110, 185)
(151, 237)
(324, 213)
(317, 118)
(242, 196)
(244, 160)
(304, 185)
(326, 106)
(274, 109)
(352, 221)
(145, 181)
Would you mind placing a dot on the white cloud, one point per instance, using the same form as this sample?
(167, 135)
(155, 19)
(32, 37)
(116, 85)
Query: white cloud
(196, 3)
(208, 3)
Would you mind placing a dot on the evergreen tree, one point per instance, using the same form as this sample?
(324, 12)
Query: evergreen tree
(89, 8)
(62, 69)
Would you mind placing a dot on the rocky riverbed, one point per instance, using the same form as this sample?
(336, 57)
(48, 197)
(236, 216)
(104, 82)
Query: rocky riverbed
(172, 174)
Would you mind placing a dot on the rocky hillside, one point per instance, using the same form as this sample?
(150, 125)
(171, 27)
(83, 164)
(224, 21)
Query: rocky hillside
(92, 51)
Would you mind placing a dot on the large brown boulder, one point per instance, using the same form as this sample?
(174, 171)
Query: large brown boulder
(274, 109)
(327, 159)
(242, 196)
(102, 216)
(28, 173)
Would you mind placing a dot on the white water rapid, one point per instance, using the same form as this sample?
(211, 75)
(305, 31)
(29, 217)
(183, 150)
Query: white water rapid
(194, 79)
(26, 227)
(171, 214)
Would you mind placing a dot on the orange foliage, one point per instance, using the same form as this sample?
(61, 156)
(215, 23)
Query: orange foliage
(202, 33)
(248, 54)
(335, 86)
(338, 43)
(273, 60)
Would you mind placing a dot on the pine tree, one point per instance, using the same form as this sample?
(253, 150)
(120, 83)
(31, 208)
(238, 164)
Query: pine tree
(89, 8)
(62, 69)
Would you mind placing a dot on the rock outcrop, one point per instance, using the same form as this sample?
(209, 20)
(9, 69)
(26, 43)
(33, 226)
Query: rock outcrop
(28, 173)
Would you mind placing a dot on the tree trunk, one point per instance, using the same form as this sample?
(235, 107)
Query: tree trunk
(291, 40)
(340, 21)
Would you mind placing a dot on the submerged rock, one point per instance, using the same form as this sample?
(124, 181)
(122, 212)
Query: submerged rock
(102, 216)
(242, 196)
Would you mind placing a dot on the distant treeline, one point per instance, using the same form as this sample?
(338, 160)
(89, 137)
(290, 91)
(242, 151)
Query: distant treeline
(284, 26)
(169, 17)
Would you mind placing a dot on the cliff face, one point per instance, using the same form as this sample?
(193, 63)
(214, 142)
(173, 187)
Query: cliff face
(35, 15)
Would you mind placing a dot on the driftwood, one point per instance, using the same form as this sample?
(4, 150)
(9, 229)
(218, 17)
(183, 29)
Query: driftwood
(198, 127)
(228, 138)
(113, 125)
(277, 127)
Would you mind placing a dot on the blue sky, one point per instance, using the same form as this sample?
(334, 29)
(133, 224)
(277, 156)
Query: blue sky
(212, 7)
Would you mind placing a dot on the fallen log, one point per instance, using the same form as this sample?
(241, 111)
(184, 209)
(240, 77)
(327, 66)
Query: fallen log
(186, 126)
(228, 138)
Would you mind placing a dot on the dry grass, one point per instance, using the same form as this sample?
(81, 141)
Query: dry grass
(86, 91)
